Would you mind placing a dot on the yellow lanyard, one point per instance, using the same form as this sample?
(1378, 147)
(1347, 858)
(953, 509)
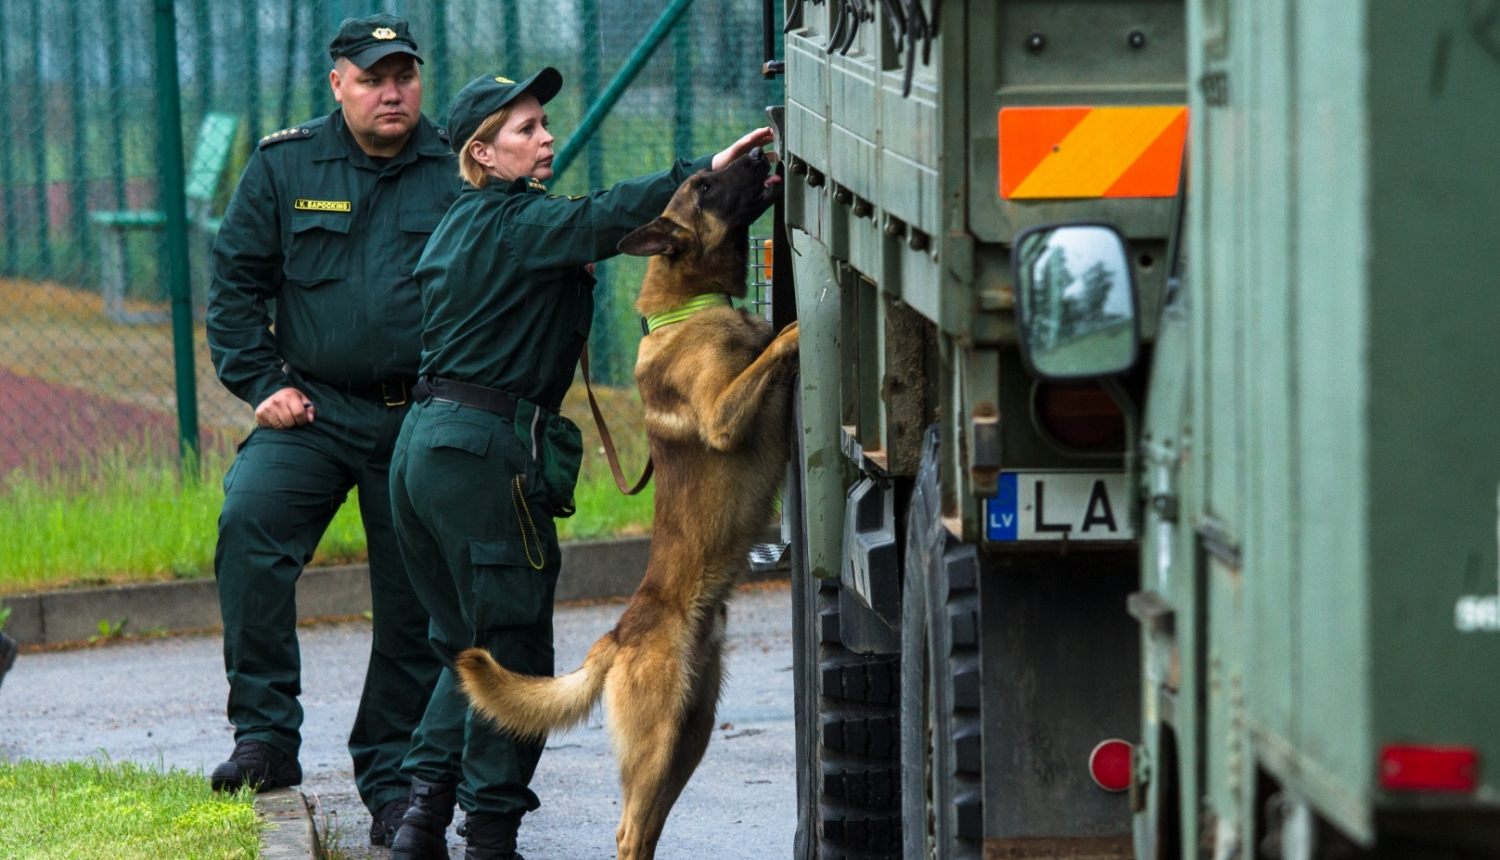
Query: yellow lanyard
(519, 498)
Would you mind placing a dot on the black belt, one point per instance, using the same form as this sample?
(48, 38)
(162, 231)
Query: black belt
(392, 392)
(466, 394)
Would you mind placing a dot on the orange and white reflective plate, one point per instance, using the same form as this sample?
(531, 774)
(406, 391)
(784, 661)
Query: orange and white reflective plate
(1071, 152)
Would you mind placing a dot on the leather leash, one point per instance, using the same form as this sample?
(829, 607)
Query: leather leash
(607, 440)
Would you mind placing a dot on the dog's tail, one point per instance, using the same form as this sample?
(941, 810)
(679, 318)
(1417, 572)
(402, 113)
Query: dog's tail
(530, 706)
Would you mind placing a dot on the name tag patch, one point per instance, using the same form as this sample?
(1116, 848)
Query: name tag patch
(322, 205)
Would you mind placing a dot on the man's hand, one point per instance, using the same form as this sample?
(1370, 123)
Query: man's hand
(284, 410)
(754, 140)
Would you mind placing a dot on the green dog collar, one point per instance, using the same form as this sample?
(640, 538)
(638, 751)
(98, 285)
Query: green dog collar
(685, 310)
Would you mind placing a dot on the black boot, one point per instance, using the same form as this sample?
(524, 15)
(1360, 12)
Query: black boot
(8, 650)
(423, 834)
(385, 821)
(491, 837)
(257, 764)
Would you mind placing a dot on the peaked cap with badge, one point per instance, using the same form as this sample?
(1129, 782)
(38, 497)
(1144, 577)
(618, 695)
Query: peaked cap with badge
(488, 93)
(365, 41)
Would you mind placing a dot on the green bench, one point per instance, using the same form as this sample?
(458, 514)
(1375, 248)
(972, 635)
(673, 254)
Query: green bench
(215, 139)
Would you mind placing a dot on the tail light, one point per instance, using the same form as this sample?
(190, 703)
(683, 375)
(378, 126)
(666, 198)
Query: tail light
(1413, 767)
(1110, 764)
(1082, 416)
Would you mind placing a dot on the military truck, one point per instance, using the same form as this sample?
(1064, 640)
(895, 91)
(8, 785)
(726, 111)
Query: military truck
(1140, 500)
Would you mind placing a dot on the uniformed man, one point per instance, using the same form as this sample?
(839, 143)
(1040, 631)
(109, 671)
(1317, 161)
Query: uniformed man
(328, 222)
(484, 461)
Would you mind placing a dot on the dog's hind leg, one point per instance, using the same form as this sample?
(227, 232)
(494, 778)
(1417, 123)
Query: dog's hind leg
(697, 726)
(656, 764)
(645, 701)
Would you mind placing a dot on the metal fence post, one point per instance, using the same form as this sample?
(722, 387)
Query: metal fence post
(289, 77)
(440, 60)
(682, 83)
(7, 176)
(39, 143)
(603, 336)
(318, 64)
(510, 18)
(174, 203)
(80, 183)
(250, 40)
(203, 23)
(116, 93)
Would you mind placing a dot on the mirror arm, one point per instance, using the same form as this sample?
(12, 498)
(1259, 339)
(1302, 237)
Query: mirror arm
(1126, 404)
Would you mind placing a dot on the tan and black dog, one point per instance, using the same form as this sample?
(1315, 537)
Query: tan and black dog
(716, 390)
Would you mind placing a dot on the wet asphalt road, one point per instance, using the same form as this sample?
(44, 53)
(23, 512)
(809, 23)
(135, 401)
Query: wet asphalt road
(162, 701)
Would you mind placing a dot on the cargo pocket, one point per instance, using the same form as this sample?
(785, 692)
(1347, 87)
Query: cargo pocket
(508, 590)
(319, 249)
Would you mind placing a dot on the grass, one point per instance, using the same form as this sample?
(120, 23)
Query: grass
(123, 811)
(111, 519)
(126, 517)
(110, 522)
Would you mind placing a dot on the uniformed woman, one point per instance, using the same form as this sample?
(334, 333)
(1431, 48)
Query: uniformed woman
(484, 461)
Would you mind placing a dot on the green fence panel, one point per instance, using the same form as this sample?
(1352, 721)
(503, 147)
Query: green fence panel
(78, 90)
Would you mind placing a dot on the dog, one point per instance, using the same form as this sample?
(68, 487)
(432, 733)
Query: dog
(716, 388)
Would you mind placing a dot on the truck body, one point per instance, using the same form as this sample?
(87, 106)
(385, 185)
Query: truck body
(1319, 545)
(1256, 556)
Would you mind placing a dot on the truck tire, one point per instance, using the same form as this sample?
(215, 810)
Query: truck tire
(847, 725)
(858, 734)
(941, 747)
(954, 706)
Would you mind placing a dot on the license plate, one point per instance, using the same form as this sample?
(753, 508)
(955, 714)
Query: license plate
(1054, 506)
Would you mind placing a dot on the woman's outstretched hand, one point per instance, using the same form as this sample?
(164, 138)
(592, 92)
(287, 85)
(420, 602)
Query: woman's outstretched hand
(754, 140)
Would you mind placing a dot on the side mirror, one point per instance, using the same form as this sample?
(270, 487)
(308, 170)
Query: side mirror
(1077, 299)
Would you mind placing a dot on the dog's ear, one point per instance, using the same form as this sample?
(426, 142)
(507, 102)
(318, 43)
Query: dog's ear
(662, 236)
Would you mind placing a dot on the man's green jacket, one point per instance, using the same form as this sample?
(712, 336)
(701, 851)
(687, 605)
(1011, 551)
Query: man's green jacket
(332, 236)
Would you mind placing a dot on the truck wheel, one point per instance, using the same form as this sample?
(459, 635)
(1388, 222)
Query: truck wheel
(858, 774)
(941, 748)
(953, 706)
(848, 731)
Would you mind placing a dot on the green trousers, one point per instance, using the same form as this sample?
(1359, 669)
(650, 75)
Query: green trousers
(279, 496)
(482, 549)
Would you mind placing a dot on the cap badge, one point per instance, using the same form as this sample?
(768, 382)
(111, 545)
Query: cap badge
(384, 33)
(504, 81)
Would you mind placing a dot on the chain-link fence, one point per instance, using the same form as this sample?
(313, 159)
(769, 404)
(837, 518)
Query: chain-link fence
(86, 360)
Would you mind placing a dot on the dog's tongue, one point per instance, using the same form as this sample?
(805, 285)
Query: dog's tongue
(772, 181)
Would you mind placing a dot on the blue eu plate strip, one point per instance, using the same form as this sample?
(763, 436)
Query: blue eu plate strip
(1001, 513)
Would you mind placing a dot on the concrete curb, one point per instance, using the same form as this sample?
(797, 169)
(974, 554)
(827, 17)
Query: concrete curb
(591, 570)
(287, 831)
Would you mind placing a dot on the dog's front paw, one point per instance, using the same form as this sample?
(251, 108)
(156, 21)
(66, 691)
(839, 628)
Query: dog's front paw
(786, 343)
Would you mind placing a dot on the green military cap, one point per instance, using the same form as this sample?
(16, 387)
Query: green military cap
(363, 41)
(488, 93)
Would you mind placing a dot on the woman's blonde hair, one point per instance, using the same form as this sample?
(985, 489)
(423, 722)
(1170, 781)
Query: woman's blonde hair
(472, 171)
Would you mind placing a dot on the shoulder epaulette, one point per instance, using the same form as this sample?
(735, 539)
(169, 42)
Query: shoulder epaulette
(298, 132)
(441, 132)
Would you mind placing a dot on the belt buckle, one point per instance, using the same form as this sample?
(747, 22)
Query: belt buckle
(397, 400)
